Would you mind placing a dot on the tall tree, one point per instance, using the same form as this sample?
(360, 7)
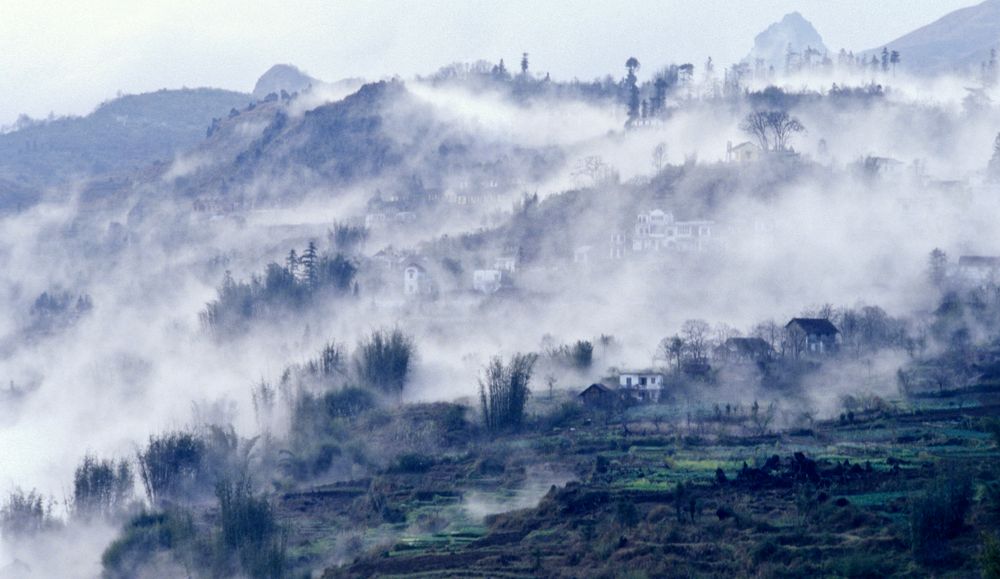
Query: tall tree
(292, 263)
(310, 264)
(755, 124)
(782, 128)
(632, 90)
(524, 64)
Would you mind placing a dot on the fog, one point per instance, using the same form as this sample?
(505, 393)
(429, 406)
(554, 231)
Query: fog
(791, 236)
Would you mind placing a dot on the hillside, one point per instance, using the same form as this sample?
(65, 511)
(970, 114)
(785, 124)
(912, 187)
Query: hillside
(380, 132)
(957, 42)
(120, 135)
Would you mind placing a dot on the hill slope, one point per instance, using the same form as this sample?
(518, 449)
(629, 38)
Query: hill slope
(381, 132)
(957, 42)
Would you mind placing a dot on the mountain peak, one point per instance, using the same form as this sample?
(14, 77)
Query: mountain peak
(792, 31)
(281, 77)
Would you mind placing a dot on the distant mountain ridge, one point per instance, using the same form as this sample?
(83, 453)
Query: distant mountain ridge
(957, 42)
(123, 134)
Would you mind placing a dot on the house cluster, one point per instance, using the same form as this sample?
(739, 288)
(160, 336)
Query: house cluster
(418, 282)
(803, 338)
(656, 232)
(491, 188)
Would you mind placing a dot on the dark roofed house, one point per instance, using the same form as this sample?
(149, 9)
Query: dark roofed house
(599, 396)
(744, 350)
(810, 336)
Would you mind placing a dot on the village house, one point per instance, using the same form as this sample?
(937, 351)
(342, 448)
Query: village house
(743, 153)
(487, 281)
(416, 282)
(390, 259)
(581, 255)
(811, 337)
(657, 230)
(507, 263)
(642, 386)
(600, 397)
(744, 351)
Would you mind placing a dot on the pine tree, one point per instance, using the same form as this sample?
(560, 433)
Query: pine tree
(310, 265)
(632, 88)
(292, 263)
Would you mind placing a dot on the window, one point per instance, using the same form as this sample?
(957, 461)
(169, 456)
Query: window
(642, 381)
(628, 381)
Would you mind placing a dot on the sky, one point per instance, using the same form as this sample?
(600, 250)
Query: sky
(67, 56)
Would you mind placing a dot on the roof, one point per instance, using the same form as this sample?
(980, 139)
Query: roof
(602, 388)
(818, 326)
(640, 372)
(978, 261)
(746, 144)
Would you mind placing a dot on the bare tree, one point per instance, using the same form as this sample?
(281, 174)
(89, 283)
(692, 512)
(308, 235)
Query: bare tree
(671, 349)
(596, 170)
(724, 331)
(782, 128)
(755, 124)
(696, 335)
(770, 332)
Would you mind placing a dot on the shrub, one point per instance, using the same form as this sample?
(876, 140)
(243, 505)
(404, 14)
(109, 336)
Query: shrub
(989, 557)
(25, 514)
(504, 391)
(143, 537)
(626, 514)
(937, 516)
(249, 530)
(383, 360)
(862, 566)
(102, 488)
(171, 465)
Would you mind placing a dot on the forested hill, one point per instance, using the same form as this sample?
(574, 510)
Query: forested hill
(126, 133)
(382, 132)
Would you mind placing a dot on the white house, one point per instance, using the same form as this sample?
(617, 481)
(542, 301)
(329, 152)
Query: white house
(619, 245)
(642, 384)
(657, 230)
(506, 263)
(415, 281)
(486, 281)
(581, 255)
(743, 153)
